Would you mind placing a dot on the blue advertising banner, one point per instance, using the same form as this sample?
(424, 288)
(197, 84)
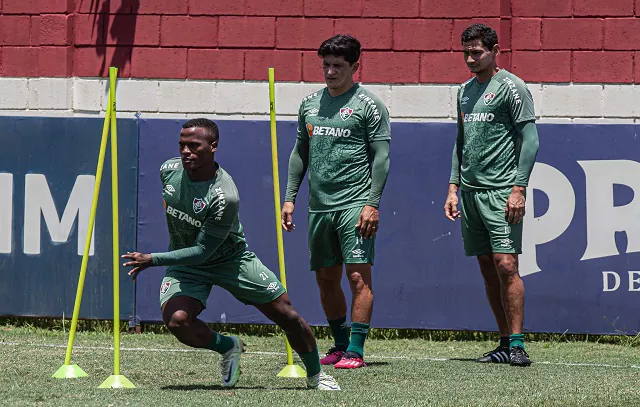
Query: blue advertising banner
(581, 261)
(47, 175)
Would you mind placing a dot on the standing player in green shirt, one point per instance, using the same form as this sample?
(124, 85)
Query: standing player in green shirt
(208, 247)
(343, 140)
(494, 154)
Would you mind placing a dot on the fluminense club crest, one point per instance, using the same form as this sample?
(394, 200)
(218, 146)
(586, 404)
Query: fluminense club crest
(488, 97)
(198, 205)
(346, 113)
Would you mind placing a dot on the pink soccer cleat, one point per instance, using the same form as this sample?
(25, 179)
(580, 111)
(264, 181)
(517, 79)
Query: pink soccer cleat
(333, 356)
(350, 362)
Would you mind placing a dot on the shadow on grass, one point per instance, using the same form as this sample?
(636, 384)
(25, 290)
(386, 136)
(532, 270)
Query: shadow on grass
(464, 360)
(377, 364)
(222, 388)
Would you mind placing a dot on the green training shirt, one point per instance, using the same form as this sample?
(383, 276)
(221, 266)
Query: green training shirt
(199, 210)
(487, 117)
(339, 131)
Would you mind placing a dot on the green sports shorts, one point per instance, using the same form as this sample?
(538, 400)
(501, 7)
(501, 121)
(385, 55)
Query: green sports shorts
(485, 228)
(245, 277)
(334, 239)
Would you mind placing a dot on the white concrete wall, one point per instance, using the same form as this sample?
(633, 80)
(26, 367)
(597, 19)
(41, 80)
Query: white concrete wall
(557, 103)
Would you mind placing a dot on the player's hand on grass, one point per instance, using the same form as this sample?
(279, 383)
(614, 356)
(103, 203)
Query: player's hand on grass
(139, 262)
(451, 204)
(515, 205)
(368, 222)
(287, 216)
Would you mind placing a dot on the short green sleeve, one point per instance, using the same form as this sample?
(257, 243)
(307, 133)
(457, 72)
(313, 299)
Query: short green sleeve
(222, 212)
(520, 101)
(302, 131)
(376, 120)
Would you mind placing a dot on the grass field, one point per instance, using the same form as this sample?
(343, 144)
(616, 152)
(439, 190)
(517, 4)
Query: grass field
(401, 373)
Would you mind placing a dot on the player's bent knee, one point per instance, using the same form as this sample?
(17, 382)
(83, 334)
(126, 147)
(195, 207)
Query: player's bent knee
(281, 312)
(287, 314)
(177, 321)
(359, 283)
(507, 267)
(289, 320)
(294, 321)
(356, 281)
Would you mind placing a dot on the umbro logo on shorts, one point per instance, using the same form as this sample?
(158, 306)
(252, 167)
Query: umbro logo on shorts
(506, 243)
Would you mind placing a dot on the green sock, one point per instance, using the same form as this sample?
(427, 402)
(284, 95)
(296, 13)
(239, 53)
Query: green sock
(220, 343)
(359, 333)
(340, 332)
(311, 362)
(505, 341)
(516, 340)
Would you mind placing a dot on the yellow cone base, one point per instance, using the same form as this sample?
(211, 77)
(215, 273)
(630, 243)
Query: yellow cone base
(117, 382)
(69, 372)
(293, 371)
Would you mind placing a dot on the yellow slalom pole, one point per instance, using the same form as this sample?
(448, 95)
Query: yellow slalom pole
(116, 380)
(113, 74)
(290, 370)
(69, 371)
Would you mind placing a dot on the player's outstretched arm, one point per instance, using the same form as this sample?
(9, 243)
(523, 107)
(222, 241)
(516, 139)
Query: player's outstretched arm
(213, 232)
(189, 256)
(139, 262)
(206, 245)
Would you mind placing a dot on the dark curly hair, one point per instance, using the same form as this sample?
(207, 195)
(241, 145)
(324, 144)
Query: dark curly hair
(484, 33)
(341, 45)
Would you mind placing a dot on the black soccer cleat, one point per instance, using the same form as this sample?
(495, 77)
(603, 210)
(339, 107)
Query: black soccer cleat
(498, 355)
(519, 357)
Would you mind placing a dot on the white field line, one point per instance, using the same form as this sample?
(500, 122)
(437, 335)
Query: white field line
(280, 354)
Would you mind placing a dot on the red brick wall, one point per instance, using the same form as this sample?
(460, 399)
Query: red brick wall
(405, 41)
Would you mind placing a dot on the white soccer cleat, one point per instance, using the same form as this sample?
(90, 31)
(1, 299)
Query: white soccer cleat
(230, 363)
(322, 381)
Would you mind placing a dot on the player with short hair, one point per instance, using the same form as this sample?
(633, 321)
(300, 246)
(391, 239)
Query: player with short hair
(492, 160)
(208, 247)
(343, 140)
